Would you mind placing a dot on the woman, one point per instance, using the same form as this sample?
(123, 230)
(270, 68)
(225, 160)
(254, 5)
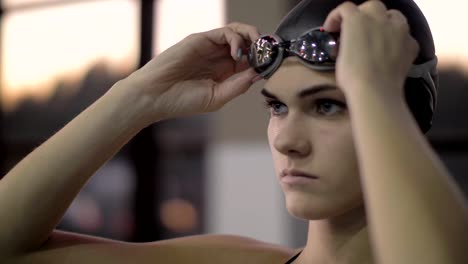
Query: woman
(331, 159)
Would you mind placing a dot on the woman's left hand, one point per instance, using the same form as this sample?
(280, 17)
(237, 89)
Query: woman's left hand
(376, 48)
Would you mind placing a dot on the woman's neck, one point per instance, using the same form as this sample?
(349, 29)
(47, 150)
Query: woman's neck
(340, 240)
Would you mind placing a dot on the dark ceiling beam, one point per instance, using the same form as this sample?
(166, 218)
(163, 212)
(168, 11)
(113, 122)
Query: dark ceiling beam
(3, 150)
(144, 151)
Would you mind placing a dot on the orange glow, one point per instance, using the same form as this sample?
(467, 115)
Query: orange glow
(42, 46)
(447, 20)
(179, 215)
(176, 19)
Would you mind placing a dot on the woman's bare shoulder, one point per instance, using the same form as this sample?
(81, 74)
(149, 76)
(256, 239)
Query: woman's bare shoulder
(66, 247)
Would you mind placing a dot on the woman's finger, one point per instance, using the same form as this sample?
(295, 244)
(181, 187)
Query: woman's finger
(375, 9)
(226, 35)
(248, 32)
(234, 34)
(242, 65)
(335, 17)
(413, 47)
(397, 17)
(401, 22)
(234, 86)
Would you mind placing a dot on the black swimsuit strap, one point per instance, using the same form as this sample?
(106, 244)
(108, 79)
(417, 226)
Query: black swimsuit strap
(293, 258)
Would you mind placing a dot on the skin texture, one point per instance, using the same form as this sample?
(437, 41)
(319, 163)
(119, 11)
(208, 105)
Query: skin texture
(414, 213)
(312, 135)
(315, 137)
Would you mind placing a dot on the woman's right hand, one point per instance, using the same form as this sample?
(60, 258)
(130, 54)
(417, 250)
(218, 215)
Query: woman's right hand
(199, 74)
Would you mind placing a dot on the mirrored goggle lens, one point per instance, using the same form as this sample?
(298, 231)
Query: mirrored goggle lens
(316, 47)
(263, 53)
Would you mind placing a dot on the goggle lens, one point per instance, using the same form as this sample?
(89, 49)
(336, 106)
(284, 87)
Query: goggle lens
(315, 47)
(263, 53)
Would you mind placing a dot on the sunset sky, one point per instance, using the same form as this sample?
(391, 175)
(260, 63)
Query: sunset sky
(42, 45)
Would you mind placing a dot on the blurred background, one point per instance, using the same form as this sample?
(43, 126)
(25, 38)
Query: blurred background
(206, 174)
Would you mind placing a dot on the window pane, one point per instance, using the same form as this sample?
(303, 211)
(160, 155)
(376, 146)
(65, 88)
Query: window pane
(451, 48)
(16, 3)
(182, 142)
(55, 61)
(176, 19)
(50, 55)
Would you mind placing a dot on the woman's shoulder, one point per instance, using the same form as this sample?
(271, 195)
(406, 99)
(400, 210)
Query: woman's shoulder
(65, 247)
(223, 248)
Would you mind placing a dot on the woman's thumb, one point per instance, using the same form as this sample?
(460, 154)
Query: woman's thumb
(235, 85)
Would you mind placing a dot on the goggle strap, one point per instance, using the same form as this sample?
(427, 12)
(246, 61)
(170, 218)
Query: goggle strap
(424, 71)
(284, 44)
(420, 70)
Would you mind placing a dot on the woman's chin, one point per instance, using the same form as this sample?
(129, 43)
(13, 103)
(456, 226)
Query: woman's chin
(304, 206)
(312, 207)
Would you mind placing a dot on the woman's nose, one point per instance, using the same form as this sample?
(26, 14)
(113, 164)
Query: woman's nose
(292, 139)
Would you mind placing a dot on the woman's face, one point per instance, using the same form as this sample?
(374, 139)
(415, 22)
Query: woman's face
(310, 131)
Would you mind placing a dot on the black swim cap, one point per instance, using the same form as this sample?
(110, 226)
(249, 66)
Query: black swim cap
(421, 97)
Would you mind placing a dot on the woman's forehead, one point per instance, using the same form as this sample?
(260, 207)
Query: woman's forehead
(293, 75)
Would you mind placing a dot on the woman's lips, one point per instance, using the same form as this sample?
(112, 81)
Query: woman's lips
(296, 177)
(297, 173)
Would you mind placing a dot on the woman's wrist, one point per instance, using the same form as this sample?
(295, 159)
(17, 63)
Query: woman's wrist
(365, 91)
(134, 107)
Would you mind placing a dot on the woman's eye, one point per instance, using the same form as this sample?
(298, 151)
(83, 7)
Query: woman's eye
(276, 108)
(329, 106)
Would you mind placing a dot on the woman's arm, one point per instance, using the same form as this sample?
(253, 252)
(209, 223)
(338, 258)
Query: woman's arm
(415, 210)
(71, 248)
(417, 214)
(199, 74)
(36, 192)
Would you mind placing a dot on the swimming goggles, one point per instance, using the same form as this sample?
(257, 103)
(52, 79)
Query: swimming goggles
(319, 50)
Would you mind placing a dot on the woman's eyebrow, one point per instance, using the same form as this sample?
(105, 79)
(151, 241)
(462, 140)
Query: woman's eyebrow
(268, 94)
(316, 89)
(305, 92)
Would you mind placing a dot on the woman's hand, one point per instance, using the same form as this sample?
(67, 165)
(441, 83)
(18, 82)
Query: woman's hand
(199, 74)
(375, 46)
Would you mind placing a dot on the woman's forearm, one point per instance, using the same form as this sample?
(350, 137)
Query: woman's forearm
(35, 194)
(417, 214)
